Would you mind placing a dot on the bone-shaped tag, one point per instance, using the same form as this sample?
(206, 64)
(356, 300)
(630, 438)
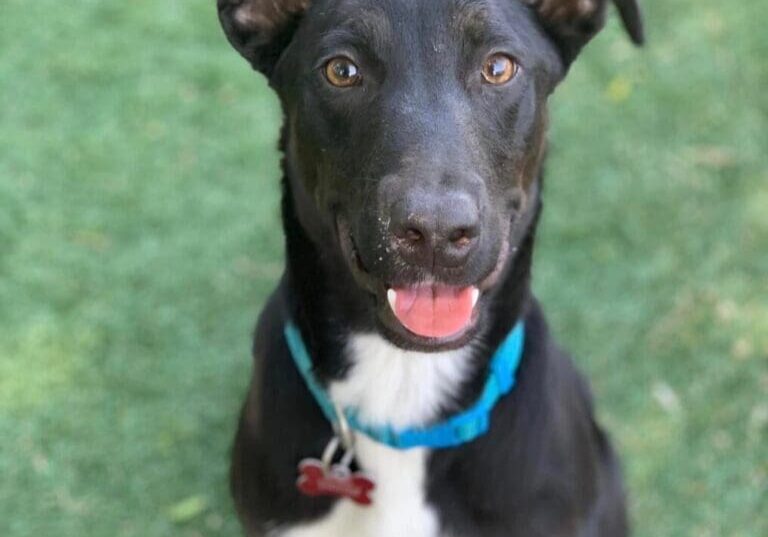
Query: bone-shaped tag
(339, 481)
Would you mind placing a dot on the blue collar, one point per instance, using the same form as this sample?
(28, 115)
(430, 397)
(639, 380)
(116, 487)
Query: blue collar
(456, 430)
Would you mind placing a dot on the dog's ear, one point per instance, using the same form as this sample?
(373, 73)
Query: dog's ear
(260, 29)
(573, 23)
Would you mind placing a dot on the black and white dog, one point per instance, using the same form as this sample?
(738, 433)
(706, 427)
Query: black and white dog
(405, 383)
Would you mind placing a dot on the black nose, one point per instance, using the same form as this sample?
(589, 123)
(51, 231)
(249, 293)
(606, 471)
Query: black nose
(432, 230)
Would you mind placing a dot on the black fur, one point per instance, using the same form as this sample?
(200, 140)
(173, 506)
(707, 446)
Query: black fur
(545, 468)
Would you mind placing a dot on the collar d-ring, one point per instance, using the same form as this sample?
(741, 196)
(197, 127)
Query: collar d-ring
(343, 429)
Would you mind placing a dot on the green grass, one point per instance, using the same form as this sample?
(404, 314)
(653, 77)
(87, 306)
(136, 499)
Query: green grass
(139, 235)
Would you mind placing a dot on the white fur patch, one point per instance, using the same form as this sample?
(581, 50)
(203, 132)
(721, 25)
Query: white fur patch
(404, 389)
(391, 386)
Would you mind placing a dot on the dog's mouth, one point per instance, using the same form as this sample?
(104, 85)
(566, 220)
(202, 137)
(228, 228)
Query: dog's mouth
(425, 315)
(434, 311)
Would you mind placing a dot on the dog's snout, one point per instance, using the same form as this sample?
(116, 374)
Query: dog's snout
(435, 230)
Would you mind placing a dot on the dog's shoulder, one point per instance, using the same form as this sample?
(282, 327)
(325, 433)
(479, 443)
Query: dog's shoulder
(279, 421)
(543, 446)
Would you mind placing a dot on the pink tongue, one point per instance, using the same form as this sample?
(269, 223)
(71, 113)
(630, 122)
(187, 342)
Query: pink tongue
(434, 311)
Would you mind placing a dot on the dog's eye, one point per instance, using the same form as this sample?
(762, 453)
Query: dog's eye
(499, 69)
(342, 72)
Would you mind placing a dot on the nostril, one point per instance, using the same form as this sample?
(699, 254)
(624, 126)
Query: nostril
(413, 235)
(460, 237)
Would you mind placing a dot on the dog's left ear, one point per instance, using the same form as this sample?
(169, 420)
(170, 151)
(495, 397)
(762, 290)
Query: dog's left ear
(573, 23)
(260, 29)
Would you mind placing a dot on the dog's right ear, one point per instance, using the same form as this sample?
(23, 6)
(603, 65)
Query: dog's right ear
(261, 29)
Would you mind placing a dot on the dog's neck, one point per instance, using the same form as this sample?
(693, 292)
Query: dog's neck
(331, 313)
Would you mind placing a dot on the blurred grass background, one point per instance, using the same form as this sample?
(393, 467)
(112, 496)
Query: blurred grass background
(139, 235)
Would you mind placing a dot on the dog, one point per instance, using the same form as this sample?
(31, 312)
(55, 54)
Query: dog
(405, 382)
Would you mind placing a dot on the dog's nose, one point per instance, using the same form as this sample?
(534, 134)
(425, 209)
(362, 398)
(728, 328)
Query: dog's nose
(432, 230)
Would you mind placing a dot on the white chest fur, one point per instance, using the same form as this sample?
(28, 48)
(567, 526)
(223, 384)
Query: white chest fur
(403, 389)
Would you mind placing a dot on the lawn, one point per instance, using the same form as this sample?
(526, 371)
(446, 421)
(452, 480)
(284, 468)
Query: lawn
(139, 236)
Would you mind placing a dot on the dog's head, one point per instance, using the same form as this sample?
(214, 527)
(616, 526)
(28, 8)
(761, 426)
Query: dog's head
(415, 130)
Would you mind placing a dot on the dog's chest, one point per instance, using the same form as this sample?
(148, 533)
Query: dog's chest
(402, 389)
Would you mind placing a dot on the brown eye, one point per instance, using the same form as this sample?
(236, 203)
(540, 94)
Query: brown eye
(499, 69)
(342, 72)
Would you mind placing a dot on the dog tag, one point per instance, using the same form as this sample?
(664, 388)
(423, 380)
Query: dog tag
(323, 478)
(317, 480)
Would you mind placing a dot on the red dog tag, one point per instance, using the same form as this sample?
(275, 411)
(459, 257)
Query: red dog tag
(337, 480)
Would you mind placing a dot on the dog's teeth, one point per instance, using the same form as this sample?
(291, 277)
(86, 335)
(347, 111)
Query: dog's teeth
(392, 298)
(475, 296)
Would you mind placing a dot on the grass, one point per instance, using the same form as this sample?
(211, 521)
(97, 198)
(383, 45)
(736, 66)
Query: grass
(139, 235)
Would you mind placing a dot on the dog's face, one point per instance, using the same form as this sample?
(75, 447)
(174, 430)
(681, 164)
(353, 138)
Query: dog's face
(414, 132)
